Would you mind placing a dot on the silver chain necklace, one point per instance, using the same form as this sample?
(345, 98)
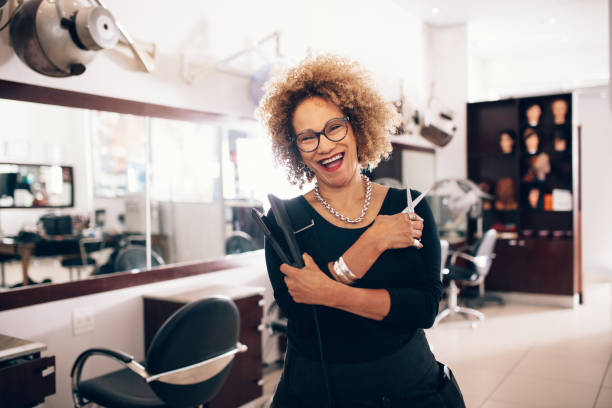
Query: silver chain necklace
(344, 218)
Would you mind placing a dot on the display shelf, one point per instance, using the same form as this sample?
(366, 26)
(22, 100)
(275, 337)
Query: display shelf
(540, 137)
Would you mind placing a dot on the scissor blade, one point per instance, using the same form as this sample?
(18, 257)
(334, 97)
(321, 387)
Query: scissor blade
(410, 206)
(420, 197)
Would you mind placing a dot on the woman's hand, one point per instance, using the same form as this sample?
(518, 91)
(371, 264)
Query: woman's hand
(308, 284)
(397, 230)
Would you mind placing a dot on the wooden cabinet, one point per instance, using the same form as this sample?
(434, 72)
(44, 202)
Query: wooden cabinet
(533, 172)
(244, 381)
(26, 378)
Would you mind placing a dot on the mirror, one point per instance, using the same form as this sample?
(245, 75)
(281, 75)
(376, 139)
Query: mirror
(35, 186)
(114, 182)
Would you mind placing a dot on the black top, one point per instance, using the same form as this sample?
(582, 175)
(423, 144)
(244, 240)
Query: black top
(411, 276)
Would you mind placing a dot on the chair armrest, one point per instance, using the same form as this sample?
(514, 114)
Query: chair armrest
(77, 368)
(459, 254)
(479, 261)
(198, 372)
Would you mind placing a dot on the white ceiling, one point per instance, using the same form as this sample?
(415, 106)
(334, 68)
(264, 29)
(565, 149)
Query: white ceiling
(500, 28)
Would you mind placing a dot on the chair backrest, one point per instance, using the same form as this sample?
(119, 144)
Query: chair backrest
(87, 245)
(484, 252)
(135, 257)
(443, 256)
(198, 331)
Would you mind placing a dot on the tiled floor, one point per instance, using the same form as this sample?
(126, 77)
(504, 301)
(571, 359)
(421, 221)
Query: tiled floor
(528, 356)
(520, 357)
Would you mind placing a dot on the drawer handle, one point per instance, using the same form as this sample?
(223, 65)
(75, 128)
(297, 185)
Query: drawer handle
(261, 327)
(48, 371)
(261, 382)
(261, 303)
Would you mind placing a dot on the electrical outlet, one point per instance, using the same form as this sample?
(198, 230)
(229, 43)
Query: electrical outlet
(82, 321)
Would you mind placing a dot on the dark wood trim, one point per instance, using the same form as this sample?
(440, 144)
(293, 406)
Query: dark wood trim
(53, 96)
(403, 146)
(33, 295)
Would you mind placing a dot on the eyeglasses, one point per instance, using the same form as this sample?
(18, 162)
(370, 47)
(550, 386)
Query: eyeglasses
(335, 130)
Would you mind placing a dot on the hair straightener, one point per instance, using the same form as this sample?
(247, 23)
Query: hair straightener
(294, 259)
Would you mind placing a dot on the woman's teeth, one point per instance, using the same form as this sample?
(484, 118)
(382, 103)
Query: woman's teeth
(332, 159)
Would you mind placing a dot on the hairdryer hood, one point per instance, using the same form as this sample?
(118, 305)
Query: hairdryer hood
(47, 46)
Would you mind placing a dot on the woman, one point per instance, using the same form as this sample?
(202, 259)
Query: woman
(371, 271)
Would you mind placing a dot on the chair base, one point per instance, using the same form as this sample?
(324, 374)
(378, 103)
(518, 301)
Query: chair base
(481, 300)
(464, 311)
(453, 308)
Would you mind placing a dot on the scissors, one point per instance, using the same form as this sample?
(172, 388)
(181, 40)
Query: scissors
(410, 209)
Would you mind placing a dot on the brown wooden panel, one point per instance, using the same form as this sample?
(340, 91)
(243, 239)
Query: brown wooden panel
(27, 296)
(53, 96)
(156, 312)
(22, 383)
(537, 266)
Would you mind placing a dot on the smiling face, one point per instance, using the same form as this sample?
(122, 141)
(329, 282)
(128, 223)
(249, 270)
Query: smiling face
(335, 164)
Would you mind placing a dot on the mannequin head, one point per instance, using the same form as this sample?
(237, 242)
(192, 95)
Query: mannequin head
(506, 141)
(533, 114)
(533, 197)
(541, 166)
(559, 110)
(505, 194)
(532, 141)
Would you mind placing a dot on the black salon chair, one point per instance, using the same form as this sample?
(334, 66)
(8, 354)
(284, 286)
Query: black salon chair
(186, 364)
(86, 246)
(478, 260)
(135, 257)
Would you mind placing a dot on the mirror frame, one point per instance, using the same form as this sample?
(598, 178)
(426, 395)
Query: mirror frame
(27, 296)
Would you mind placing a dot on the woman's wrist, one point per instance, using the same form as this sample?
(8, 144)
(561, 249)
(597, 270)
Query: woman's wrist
(373, 240)
(332, 293)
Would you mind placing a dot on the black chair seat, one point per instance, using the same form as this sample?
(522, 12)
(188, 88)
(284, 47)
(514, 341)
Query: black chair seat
(121, 388)
(459, 273)
(75, 262)
(279, 325)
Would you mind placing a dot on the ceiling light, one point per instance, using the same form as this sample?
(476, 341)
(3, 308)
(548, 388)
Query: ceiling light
(552, 20)
(435, 10)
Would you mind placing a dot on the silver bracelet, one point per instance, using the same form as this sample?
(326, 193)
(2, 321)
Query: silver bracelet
(346, 269)
(340, 274)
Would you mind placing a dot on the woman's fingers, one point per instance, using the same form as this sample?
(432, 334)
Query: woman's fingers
(288, 270)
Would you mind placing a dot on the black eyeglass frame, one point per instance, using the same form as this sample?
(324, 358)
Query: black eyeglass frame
(344, 119)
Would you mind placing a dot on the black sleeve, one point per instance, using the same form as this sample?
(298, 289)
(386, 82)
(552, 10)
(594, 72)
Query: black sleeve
(298, 314)
(417, 306)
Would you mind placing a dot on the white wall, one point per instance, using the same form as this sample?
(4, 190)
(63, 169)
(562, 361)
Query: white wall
(596, 120)
(447, 66)
(370, 32)
(118, 317)
(26, 137)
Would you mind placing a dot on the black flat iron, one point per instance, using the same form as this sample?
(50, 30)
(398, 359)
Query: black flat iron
(294, 258)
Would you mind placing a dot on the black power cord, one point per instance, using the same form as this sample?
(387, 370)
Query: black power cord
(324, 367)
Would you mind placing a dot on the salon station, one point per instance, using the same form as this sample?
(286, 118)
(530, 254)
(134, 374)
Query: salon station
(133, 168)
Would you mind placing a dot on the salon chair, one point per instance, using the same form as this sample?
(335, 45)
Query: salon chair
(86, 246)
(444, 248)
(239, 242)
(187, 362)
(478, 260)
(276, 326)
(135, 257)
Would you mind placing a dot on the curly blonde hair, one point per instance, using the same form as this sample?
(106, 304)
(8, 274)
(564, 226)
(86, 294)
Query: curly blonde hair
(340, 81)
